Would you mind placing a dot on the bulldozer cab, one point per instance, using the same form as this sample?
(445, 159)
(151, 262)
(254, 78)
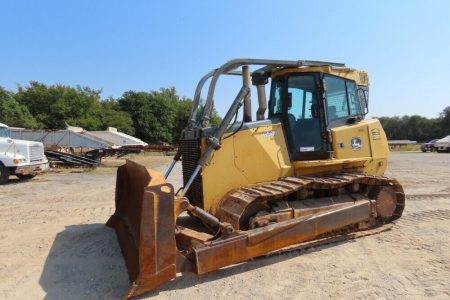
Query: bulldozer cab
(309, 105)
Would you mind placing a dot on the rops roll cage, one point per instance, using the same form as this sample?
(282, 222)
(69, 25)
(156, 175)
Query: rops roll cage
(229, 68)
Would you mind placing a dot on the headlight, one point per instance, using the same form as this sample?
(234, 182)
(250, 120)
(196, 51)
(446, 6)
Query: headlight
(19, 161)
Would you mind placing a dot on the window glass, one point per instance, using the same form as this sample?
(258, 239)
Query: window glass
(4, 132)
(336, 98)
(300, 89)
(303, 114)
(301, 103)
(275, 96)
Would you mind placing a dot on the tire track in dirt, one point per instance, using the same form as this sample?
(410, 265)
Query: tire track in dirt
(404, 234)
(423, 216)
(417, 197)
(408, 239)
(45, 215)
(428, 278)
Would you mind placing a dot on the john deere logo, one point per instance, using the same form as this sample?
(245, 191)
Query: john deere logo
(356, 144)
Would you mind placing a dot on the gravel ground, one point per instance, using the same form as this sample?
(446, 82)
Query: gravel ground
(53, 245)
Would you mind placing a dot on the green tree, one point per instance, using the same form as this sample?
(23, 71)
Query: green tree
(390, 126)
(182, 114)
(215, 118)
(153, 113)
(112, 116)
(445, 121)
(55, 105)
(13, 113)
(415, 128)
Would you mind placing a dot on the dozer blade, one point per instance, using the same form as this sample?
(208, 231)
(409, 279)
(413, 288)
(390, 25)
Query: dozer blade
(144, 225)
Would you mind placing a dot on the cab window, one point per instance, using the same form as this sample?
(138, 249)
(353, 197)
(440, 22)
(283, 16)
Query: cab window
(300, 95)
(303, 113)
(275, 98)
(336, 98)
(4, 132)
(342, 101)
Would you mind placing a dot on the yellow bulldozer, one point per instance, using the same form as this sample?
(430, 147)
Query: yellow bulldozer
(309, 167)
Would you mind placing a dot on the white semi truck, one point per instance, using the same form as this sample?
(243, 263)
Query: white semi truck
(22, 158)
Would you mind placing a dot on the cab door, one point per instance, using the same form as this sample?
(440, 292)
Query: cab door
(304, 118)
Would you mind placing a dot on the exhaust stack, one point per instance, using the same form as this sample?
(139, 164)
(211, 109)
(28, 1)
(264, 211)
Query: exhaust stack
(260, 80)
(248, 99)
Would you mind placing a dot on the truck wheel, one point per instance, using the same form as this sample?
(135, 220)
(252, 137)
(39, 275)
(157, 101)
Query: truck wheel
(25, 177)
(4, 174)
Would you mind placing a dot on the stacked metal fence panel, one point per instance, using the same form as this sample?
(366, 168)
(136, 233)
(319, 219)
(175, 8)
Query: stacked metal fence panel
(59, 138)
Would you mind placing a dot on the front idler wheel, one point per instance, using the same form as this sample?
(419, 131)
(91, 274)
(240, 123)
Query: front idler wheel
(386, 201)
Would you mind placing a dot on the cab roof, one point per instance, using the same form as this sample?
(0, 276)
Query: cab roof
(360, 77)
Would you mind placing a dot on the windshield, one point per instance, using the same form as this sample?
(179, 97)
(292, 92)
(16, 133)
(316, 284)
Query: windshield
(341, 98)
(4, 132)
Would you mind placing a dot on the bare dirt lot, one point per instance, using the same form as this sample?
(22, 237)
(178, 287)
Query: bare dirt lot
(53, 245)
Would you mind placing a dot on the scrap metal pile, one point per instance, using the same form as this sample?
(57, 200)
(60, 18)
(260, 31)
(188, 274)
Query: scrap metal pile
(76, 147)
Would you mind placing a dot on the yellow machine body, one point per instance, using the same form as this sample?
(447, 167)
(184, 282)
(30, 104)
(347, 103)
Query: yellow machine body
(260, 154)
(309, 170)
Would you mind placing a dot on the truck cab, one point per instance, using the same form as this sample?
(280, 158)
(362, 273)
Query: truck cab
(25, 159)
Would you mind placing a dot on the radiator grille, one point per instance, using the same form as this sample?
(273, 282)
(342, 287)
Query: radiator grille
(36, 153)
(190, 154)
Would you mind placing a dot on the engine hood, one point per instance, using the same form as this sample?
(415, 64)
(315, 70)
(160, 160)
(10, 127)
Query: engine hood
(7, 143)
(26, 143)
(21, 149)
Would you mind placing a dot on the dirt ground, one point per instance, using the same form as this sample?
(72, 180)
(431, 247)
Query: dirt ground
(54, 245)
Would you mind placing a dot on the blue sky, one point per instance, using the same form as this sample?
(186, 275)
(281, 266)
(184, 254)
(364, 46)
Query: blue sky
(117, 46)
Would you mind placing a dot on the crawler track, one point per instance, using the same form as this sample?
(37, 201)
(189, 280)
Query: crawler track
(240, 205)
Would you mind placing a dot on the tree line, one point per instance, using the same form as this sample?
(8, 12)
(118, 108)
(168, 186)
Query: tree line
(155, 116)
(417, 128)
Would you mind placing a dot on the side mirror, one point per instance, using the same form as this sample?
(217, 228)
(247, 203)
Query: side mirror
(363, 96)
